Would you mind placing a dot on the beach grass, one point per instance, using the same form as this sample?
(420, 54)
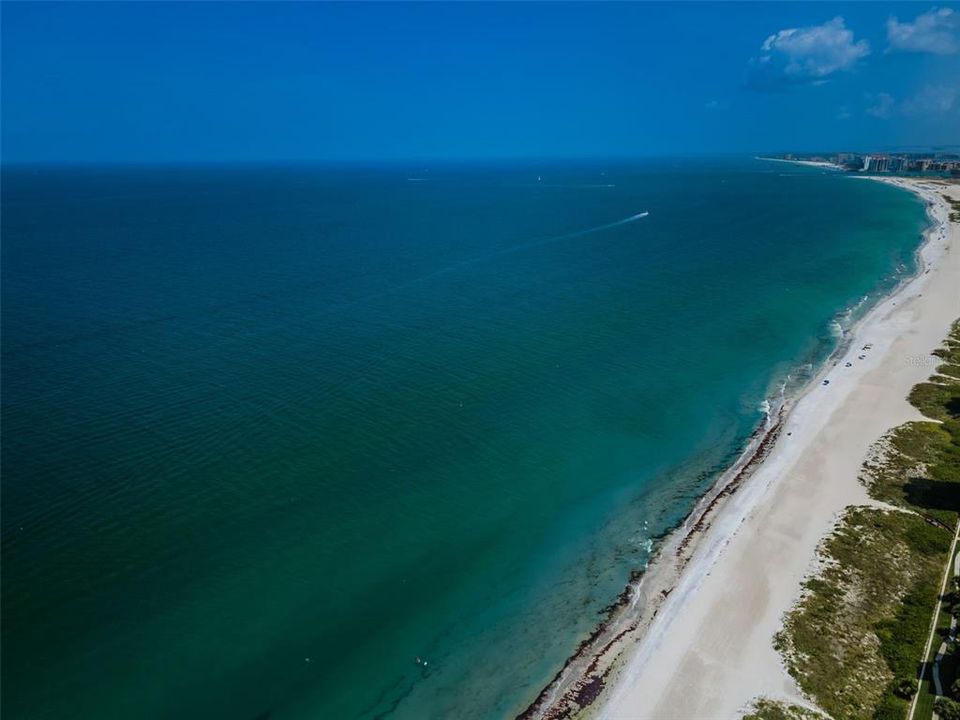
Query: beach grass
(955, 205)
(917, 465)
(900, 469)
(855, 641)
(765, 709)
(862, 623)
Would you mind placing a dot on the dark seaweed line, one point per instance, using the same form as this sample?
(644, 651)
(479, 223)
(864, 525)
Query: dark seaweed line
(588, 687)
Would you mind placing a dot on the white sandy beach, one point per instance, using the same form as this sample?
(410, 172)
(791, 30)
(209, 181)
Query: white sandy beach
(708, 652)
(808, 163)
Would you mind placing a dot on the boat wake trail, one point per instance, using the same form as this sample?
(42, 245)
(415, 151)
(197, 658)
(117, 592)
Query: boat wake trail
(569, 236)
(488, 257)
(532, 244)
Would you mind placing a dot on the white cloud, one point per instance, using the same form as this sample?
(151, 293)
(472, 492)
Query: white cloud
(931, 99)
(844, 113)
(880, 105)
(933, 32)
(807, 55)
(711, 105)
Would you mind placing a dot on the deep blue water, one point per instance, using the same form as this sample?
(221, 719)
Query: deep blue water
(272, 434)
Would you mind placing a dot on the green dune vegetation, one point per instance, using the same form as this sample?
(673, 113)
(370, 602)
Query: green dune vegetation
(769, 710)
(955, 208)
(856, 642)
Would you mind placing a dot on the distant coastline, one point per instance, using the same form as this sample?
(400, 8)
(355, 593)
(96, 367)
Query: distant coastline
(930, 165)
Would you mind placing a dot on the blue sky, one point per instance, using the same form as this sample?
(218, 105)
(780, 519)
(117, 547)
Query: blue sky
(237, 82)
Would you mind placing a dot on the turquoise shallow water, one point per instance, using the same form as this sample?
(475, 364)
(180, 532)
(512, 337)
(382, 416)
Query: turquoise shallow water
(271, 434)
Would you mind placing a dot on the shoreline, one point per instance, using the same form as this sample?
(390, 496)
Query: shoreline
(607, 675)
(751, 578)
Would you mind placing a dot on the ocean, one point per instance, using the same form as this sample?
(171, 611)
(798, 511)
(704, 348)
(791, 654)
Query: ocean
(383, 441)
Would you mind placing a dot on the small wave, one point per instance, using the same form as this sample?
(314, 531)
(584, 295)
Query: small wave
(844, 320)
(648, 550)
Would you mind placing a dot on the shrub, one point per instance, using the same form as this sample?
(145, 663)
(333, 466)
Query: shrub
(947, 709)
(905, 688)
